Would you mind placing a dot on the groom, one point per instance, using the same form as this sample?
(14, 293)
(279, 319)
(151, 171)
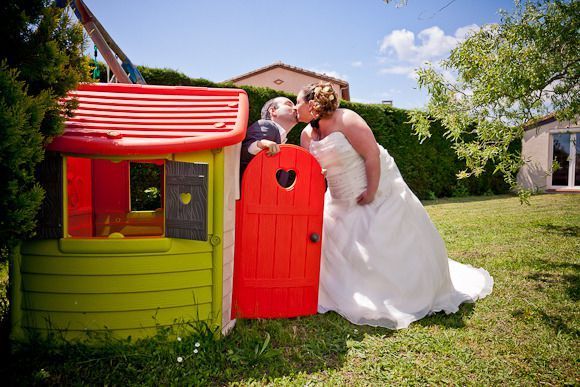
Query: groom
(278, 118)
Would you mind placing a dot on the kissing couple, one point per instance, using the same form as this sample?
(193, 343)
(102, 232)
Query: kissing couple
(383, 261)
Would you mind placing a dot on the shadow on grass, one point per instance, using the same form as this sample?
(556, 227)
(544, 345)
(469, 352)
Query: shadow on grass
(320, 342)
(306, 344)
(255, 351)
(452, 321)
(559, 230)
(558, 273)
(557, 323)
(551, 278)
(570, 281)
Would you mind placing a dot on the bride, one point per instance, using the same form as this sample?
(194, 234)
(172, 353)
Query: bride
(383, 261)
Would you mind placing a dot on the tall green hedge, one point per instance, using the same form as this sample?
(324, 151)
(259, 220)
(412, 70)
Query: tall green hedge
(429, 168)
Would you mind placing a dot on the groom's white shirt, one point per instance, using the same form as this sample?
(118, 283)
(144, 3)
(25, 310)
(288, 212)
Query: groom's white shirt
(254, 149)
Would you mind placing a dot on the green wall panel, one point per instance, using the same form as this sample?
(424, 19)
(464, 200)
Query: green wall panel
(115, 265)
(82, 303)
(115, 320)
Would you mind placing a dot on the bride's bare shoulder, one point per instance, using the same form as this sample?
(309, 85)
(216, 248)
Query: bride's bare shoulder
(348, 117)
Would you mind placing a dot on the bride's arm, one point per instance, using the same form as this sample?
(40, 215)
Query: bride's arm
(361, 137)
(306, 137)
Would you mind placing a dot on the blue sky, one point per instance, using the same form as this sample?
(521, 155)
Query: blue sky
(373, 45)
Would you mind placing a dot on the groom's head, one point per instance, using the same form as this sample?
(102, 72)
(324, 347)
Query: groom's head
(281, 111)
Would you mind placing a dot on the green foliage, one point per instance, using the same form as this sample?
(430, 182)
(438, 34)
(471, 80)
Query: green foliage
(21, 149)
(40, 60)
(169, 77)
(146, 180)
(429, 168)
(4, 304)
(507, 75)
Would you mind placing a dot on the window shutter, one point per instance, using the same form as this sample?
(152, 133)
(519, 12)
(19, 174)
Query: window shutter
(49, 175)
(186, 200)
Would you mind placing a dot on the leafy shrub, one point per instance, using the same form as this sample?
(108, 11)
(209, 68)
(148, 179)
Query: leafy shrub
(41, 58)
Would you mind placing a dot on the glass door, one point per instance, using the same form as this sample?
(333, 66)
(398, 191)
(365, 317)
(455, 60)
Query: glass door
(566, 154)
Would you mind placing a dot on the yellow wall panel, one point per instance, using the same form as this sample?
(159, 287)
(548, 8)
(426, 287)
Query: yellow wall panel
(81, 303)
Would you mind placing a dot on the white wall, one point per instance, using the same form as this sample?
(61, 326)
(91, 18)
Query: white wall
(231, 193)
(537, 153)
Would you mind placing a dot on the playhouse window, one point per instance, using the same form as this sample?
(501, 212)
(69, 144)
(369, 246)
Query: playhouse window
(146, 180)
(114, 199)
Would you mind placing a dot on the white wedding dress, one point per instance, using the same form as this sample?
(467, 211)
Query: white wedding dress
(384, 264)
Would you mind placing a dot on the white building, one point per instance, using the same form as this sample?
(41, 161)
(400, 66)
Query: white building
(548, 143)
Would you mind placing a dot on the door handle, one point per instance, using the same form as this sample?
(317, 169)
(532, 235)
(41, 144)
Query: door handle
(314, 237)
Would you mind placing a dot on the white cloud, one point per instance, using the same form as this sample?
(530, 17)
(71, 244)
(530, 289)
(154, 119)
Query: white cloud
(428, 45)
(330, 73)
(402, 42)
(357, 63)
(463, 32)
(408, 71)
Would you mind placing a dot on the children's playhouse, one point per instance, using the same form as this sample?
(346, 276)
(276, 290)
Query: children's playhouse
(97, 263)
(104, 260)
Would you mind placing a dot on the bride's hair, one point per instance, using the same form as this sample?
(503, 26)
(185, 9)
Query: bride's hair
(324, 97)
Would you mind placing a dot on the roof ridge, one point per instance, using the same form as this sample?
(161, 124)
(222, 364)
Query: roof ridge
(289, 67)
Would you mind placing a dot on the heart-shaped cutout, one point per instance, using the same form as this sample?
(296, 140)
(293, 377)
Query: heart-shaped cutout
(185, 198)
(286, 179)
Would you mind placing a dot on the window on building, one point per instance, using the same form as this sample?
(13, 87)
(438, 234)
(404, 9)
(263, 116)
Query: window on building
(566, 159)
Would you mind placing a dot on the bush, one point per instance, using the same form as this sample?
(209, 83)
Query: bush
(429, 168)
(40, 60)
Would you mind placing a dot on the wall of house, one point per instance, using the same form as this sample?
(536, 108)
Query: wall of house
(537, 152)
(293, 81)
(535, 148)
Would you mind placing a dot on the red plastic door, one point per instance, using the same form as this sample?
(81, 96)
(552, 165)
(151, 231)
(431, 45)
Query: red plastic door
(278, 237)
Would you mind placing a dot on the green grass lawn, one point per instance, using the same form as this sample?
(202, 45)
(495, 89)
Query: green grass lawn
(525, 333)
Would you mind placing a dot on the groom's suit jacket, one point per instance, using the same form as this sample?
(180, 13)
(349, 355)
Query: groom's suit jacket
(259, 130)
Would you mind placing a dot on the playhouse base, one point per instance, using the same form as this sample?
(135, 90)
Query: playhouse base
(113, 287)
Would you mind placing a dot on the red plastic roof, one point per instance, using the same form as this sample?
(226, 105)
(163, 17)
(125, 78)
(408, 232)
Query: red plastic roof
(122, 119)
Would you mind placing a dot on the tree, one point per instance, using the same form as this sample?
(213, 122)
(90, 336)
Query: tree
(508, 74)
(41, 58)
(399, 4)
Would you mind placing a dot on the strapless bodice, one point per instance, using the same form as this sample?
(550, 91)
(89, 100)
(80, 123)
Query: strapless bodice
(345, 168)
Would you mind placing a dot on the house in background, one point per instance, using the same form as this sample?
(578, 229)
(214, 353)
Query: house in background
(283, 77)
(547, 143)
